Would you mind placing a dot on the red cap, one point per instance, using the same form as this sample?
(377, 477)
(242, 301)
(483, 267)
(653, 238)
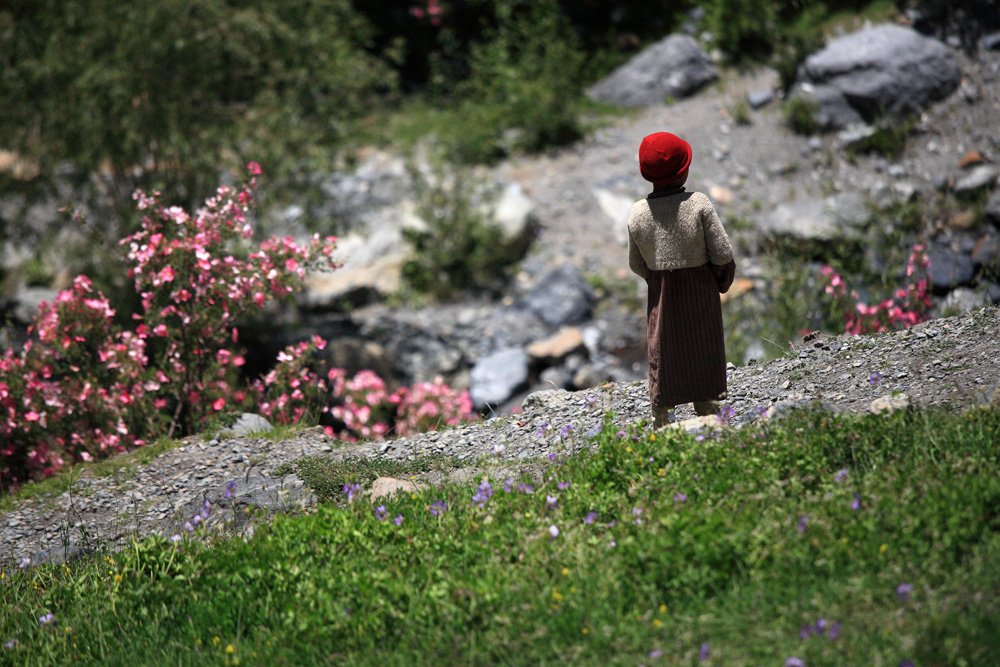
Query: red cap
(664, 157)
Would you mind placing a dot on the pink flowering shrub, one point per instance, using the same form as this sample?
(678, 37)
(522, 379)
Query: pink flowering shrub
(362, 408)
(908, 306)
(84, 387)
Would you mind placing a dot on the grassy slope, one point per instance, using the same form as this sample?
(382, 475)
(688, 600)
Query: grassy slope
(733, 546)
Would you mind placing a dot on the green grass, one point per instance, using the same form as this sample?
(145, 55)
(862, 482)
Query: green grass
(650, 580)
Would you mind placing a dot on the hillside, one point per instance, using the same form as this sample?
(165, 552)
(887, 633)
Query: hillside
(946, 364)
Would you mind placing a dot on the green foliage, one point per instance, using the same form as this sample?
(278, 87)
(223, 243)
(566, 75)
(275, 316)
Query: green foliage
(799, 115)
(524, 80)
(884, 526)
(459, 249)
(158, 94)
(889, 139)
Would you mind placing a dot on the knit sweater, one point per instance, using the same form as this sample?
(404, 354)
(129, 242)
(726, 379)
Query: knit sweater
(675, 232)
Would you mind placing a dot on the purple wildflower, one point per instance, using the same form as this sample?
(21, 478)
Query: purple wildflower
(208, 508)
(655, 653)
(11, 644)
(821, 626)
(552, 456)
(176, 538)
(906, 663)
(792, 661)
(874, 378)
(551, 501)
(806, 631)
(590, 401)
(841, 475)
(856, 503)
(484, 493)
(230, 489)
(352, 491)
(903, 592)
(188, 527)
(398, 520)
(196, 520)
(699, 437)
(380, 513)
(680, 498)
(499, 449)
(611, 524)
(566, 430)
(554, 531)
(834, 630)
(24, 562)
(508, 485)
(703, 652)
(589, 519)
(726, 413)
(620, 434)
(438, 507)
(562, 486)
(524, 487)
(542, 430)
(637, 513)
(803, 523)
(47, 619)
(761, 410)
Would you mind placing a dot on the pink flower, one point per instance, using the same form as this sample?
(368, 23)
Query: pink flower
(31, 416)
(219, 404)
(253, 168)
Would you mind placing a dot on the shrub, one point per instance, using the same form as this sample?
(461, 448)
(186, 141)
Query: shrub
(459, 249)
(908, 306)
(84, 387)
(799, 115)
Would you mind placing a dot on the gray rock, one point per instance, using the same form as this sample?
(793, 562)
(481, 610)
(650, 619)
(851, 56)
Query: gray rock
(248, 424)
(949, 268)
(616, 207)
(514, 212)
(561, 297)
(556, 376)
(992, 209)
(978, 178)
(885, 69)
(991, 42)
(889, 404)
(961, 300)
(986, 253)
(497, 377)
(759, 98)
(827, 219)
(27, 301)
(676, 66)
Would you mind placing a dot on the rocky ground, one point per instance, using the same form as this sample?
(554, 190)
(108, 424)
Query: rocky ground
(947, 364)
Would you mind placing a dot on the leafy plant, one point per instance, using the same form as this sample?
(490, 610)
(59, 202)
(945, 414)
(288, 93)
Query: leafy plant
(799, 113)
(459, 249)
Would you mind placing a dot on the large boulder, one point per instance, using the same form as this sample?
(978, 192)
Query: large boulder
(676, 66)
(561, 297)
(882, 70)
(497, 377)
(823, 219)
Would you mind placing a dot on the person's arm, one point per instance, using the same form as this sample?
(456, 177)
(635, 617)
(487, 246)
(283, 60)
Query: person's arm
(720, 251)
(635, 260)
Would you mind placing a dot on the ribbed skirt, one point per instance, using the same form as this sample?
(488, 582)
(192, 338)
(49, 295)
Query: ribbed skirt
(687, 348)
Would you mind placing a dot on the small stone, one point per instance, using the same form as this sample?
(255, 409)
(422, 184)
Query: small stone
(889, 404)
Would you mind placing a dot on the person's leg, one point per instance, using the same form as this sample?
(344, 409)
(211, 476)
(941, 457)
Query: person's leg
(662, 416)
(703, 408)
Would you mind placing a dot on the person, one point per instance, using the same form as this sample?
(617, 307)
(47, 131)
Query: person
(677, 243)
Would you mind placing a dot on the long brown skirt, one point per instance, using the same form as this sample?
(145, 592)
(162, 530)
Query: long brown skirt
(687, 348)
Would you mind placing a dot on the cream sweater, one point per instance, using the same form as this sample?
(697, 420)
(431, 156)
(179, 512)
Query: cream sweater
(675, 232)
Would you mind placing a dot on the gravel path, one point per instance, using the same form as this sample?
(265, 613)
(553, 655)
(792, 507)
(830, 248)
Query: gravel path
(948, 363)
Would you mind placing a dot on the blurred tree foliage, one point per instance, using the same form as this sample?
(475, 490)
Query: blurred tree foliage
(165, 93)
